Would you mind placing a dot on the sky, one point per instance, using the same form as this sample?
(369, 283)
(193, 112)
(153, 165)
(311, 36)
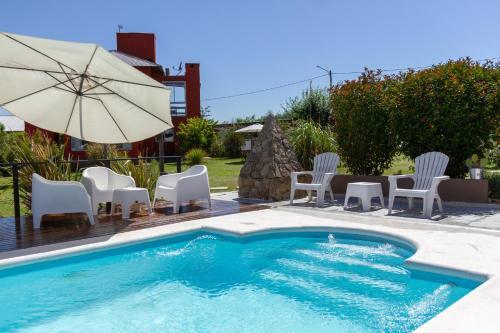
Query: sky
(251, 45)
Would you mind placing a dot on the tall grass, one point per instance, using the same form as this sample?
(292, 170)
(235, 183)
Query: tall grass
(32, 151)
(145, 173)
(309, 139)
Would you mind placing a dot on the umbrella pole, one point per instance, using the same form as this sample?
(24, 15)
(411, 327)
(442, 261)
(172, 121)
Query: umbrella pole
(106, 151)
(161, 152)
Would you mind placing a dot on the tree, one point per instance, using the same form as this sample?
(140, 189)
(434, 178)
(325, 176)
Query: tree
(206, 112)
(314, 105)
(452, 108)
(361, 112)
(196, 133)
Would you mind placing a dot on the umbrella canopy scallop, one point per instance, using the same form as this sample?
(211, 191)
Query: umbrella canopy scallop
(80, 90)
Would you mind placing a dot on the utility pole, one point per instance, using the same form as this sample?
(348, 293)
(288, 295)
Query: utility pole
(329, 71)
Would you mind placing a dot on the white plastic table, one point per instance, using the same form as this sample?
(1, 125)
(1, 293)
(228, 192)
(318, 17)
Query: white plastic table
(128, 196)
(364, 191)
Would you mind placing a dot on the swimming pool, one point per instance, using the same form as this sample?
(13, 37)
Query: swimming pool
(202, 282)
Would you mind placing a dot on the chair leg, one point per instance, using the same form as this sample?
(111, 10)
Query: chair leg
(331, 193)
(381, 197)
(90, 216)
(95, 207)
(309, 195)
(37, 220)
(346, 201)
(428, 203)
(440, 205)
(176, 207)
(410, 203)
(209, 202)
(292, 195)
(154, 201)
(320, 197)
(390, 204)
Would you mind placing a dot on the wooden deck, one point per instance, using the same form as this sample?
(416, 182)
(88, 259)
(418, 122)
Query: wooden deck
(65, 228)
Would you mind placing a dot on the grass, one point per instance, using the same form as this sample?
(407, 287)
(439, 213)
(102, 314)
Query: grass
(222, 172)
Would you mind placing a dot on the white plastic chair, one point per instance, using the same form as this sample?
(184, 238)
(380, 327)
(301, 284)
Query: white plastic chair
(100, 183)
(191, 184)
(58, 197)
(324, 169)
(429, 172)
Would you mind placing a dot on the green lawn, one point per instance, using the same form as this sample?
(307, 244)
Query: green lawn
(222, 172)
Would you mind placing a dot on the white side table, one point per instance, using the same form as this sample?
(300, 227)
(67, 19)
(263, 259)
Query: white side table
(364, 191)
(128, 196)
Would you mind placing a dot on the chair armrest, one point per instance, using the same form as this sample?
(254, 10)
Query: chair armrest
(302, 173)
(121, 181)
(89, 184)
(295, 175)
(169, 180)
(396, 177)
(436, 181)
(328, 178)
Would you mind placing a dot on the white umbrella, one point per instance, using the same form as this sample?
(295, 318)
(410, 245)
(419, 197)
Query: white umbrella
(255, 128)
(80, 90)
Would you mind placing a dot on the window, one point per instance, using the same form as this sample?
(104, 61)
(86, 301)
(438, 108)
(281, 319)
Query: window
(169, 135)
(177, 97)
(79, 145)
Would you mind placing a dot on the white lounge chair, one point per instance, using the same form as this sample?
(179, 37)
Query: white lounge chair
(100, 183)
(58, 197)
(191, 184)
(429, 172)
(325, 168)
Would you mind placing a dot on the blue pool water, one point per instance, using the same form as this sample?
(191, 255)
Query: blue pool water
(316, 282)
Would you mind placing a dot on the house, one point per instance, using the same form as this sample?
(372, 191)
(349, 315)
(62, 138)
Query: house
(139, 50)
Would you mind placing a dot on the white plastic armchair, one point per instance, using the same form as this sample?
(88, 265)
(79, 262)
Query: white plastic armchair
(429, 172)
(191, 184)
(58, 197)
(100, 183)
(325, 168)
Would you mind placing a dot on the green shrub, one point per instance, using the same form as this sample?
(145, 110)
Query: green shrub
(37, 149)
(196, 133)
(493, 184)
(194, 156)
(451, 108)
(314, 106)
(232, 143)
(217, 148)
(361, 112)
(309, 139)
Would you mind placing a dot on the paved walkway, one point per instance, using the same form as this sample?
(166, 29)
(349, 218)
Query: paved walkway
(486, 216)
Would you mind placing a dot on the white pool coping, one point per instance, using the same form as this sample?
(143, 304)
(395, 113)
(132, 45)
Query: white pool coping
(460, 251)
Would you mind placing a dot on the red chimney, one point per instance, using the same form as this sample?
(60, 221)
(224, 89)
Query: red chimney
(142, 45)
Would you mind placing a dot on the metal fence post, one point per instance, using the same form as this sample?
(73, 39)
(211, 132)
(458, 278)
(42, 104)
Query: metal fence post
(178, 163)
(15, 186)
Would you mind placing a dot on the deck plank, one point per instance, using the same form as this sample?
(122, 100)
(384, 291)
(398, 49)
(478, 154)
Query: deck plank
(56, 229)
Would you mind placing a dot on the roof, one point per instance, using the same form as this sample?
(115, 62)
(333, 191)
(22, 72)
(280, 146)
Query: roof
(255, 128)
(133, 60)
(12, 123)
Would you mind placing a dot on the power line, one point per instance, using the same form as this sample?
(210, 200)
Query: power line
(320, 76)
(265, 89)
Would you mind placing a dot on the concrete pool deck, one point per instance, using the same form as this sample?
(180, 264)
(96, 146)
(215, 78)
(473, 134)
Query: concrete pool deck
(464, 251)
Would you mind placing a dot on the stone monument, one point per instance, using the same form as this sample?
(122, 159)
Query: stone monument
(266, 172)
